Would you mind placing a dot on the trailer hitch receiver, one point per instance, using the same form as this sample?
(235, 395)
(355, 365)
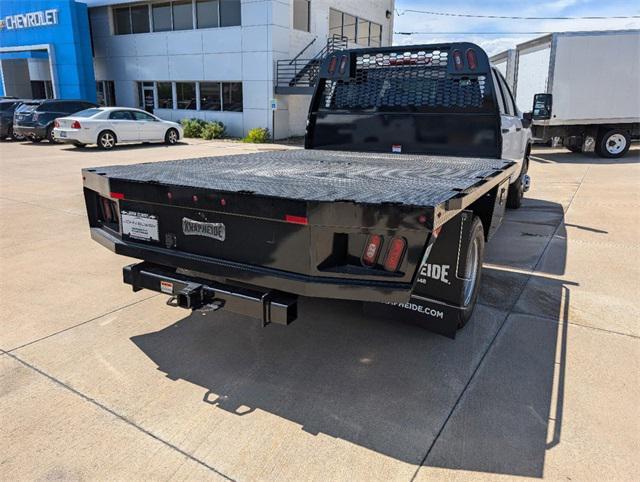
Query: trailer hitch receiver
(195, 293)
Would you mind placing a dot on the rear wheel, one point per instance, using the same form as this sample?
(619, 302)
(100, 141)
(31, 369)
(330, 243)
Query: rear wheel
(35, 139)
(171, 137)
(78, 144)
(50, 137)
(472, 271)
(613, 143)
(106, 140)
(576, 149)
(516, 190)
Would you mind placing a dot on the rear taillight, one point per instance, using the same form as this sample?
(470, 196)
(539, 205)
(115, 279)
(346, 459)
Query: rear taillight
(344, 60)
(108, 211)
(333, 63)
(394, 254)
(372, 250)
(457, 60)
(472, 60)
(75, 125)
(56, 123)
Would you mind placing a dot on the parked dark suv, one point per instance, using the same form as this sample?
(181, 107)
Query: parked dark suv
(7, 107)
(34, 118)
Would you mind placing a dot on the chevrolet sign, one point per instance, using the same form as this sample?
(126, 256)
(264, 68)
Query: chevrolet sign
(42, 18)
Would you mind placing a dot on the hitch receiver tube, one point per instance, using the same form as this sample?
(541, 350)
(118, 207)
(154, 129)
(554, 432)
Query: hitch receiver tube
(195, 293)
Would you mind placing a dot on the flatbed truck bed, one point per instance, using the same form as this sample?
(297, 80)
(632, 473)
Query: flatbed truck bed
(400, 227)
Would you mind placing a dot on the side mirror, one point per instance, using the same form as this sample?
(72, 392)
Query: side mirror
(542, 104)
(527, 117)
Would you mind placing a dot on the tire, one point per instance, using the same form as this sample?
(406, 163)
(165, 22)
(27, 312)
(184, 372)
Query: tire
(50, 137)
(107, 140)
(516, 190)
(171, 137)
(473, 270)
(613, 143)
(16, 137)
(35, 140)
(575, 149)
(79, 144)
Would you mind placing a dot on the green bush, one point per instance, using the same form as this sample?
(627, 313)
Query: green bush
(259, 135)
(213, 130)
(193, 127)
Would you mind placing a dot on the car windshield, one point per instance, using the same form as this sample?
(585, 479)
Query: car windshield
(28, 107)
(87, 113)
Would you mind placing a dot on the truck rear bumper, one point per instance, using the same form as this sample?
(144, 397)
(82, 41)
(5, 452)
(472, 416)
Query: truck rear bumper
(258, 276)
(195, 293)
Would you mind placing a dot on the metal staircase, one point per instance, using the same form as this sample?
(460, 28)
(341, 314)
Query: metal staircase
(298, 76)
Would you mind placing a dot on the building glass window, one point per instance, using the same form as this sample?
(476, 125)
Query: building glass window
(140, 19)
(375, 35)
(122, 21)
(232, 96)
(165, 95)
(182, 15)
(229, 13)
(105, 93)
(357, 30)
(363, 31)
(349, 27)
(207, 13)
(186, 95)
(335, 22)
(210, 96)
(161, 13)
(301, 12)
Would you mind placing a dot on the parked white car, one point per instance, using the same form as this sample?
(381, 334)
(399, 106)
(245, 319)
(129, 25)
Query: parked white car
(108, 126)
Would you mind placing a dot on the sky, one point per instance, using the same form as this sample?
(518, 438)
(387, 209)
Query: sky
(493, 44)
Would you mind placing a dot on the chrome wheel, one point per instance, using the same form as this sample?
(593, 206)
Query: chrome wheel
(471, 271)
(172, 136)
(107, 140)
(615, 144)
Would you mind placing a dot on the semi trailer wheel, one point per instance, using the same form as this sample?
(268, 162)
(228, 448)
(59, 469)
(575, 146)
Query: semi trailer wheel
(612, 143)
(472, 271)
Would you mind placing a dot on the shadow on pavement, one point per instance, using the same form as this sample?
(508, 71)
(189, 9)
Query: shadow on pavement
(395, 388)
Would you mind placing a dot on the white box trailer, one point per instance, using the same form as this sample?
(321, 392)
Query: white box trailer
(583, 88)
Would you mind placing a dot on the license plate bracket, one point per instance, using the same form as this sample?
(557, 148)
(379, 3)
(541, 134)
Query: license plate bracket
(140, 226)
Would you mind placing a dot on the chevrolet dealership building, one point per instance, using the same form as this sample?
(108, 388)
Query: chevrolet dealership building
(247, 63)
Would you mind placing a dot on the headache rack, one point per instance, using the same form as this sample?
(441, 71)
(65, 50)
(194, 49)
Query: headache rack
(426, 99)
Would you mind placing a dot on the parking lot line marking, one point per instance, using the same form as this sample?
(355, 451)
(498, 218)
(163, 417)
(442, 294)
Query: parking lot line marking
(118, 416)
(81, 323)
(48, 208)
(497, 334)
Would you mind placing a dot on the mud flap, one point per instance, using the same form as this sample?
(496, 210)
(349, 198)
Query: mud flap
(436, 301)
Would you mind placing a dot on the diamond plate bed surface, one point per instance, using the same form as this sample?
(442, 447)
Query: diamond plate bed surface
(318, 175)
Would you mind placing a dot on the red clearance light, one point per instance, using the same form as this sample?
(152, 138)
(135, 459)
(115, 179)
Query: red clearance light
(75, 125)
(371, 250)
(332, 64)
(116, 195)
(56, 123)
(295, 219)
(472, 60)
(457, 60)
(343, 64)
(395, 254)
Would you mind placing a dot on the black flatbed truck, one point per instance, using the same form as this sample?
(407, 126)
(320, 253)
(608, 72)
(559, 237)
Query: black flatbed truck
(349, 217)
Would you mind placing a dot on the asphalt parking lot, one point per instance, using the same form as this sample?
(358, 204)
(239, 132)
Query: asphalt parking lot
(98, 382)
